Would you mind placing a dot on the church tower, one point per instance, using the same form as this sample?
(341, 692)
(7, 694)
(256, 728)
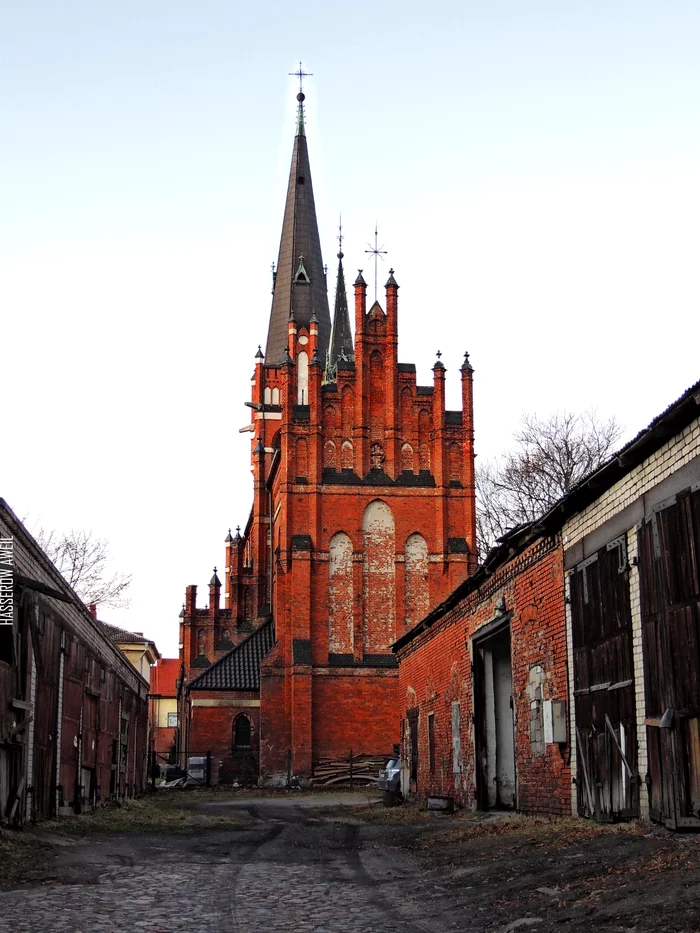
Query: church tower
(363, 515)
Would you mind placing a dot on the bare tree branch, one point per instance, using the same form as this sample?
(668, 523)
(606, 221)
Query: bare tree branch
(83, 561)
(550, 457)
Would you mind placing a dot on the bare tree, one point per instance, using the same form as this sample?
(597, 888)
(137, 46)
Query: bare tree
(83, 561)
(550, 457)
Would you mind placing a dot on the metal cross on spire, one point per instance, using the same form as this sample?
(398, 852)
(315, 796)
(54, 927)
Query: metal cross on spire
(339, 238)
(376, 251)
(301, 74)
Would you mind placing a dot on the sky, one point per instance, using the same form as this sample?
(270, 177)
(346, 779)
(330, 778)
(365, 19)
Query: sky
(532, 168)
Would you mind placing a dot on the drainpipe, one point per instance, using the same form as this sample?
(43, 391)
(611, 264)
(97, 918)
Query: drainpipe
(59, 723)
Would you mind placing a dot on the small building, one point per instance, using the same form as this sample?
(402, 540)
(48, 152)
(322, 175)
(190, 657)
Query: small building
(73, 710)
(564, 674)
(221, 709)
(483, 681)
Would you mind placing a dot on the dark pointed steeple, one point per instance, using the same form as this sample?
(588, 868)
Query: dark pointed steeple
(341, 347)
(295, 295)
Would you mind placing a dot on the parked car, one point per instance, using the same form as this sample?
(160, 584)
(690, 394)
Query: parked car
(390, 777)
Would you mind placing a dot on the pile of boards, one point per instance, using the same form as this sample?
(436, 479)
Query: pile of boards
(360, 769)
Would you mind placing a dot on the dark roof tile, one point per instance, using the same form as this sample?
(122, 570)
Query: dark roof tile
(240, 668)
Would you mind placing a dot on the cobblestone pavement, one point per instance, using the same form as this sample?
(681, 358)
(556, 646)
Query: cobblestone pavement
(309, 865)
(287, 869)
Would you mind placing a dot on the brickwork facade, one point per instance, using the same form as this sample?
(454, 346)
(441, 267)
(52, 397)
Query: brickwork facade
(363, 513)
(522, 598)
(226, 724)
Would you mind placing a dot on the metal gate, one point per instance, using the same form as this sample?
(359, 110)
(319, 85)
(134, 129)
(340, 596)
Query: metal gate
(669, 566)
(607, 781)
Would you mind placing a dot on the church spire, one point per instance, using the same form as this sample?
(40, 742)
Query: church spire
(294, 295)
(341, 347)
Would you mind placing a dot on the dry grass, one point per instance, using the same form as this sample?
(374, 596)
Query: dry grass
(465, 825)
(541, 831)
(388, 816)
(23, 857)
(166, 812)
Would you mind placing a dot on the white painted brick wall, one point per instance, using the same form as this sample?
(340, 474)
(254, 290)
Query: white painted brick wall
(572, 706)
(669, 458)
(636, 613)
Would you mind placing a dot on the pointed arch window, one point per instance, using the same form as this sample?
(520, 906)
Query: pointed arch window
(416, 579)
(340, 595)
(346, 456)
(379, 559)
(329, 455)
(275, 396)
(303, 378)
(302, 459)
(241, 732)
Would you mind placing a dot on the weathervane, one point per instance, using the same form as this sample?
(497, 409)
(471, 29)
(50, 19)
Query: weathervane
(301, 74)
(376, 251)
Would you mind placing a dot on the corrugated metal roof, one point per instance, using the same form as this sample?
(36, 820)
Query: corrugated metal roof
(240, 668)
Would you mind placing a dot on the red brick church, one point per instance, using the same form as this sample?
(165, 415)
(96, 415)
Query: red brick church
(363, 519)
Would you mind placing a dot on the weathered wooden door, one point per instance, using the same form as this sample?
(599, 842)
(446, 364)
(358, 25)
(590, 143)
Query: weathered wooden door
(607, 781)
(669, 567)
(47, 653)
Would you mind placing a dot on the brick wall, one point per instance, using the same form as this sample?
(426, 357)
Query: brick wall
(212, 719)
(435, 673)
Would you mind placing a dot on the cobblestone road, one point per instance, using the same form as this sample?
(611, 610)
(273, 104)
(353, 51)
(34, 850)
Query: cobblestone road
(306, 864)
(288, 869)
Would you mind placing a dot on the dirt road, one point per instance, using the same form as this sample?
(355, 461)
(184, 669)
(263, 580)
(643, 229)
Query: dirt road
(331, 864)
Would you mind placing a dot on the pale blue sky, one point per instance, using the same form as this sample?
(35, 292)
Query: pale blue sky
(533, 168)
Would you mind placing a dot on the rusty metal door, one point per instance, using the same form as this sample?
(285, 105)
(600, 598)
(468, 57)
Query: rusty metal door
(607, 779)
(669, 571)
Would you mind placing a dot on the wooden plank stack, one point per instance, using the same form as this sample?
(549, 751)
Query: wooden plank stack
(360, 769)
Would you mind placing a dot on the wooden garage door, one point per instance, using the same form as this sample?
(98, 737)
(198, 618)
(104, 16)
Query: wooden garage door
(669, 565)
(607, 780)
